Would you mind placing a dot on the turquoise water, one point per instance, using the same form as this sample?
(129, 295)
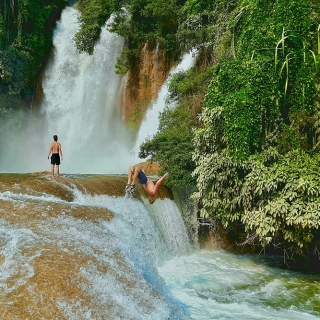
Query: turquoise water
(220, 285)
(139, 264)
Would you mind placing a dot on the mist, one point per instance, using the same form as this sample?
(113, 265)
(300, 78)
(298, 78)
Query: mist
(80, 104)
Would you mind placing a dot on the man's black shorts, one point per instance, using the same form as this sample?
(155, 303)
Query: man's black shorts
(55, 159)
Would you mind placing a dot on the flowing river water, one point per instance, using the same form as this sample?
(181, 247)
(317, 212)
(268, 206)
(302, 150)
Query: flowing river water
(77, 248)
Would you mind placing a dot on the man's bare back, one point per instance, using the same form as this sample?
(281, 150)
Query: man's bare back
(55, 147)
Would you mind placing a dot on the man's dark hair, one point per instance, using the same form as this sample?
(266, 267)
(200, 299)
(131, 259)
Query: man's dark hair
(55, 137)
(152, 199)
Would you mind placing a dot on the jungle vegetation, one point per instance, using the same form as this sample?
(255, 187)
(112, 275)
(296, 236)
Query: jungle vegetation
(242, 126)
(26, 28)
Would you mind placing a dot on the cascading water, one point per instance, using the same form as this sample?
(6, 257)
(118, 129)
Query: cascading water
(71, 258)
(69, 251)
(82, 95)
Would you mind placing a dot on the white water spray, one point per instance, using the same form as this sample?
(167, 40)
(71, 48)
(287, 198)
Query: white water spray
(82, 95)
(83, 101)
(81, 104)
(150, 123)
(121, 273)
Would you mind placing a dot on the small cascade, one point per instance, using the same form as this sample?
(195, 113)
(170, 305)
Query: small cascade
(79, 252)
(169, 221)
(189, 211)
(150, 123)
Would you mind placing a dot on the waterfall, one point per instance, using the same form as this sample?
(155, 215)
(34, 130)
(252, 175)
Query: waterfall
(81, 104)
(93, 266)
(168, 218)
(70, 251)
(82, 101)
(81, 98)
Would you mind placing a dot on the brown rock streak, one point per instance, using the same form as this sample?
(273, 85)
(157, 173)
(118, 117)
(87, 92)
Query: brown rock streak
(144, 82)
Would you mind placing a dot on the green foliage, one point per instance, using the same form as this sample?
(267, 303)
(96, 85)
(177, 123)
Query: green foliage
(9, 103)
(218, 182)
(137, 20)
(122, 65)
(203, 25)
(261, 112)
(36, 19)
(268, 86)
(14, 65)
(172, 146)
(2, 32)
(247, 93)
(188, 83)
(275, 197)
(30, 42)
(94, 14)
(280, 197)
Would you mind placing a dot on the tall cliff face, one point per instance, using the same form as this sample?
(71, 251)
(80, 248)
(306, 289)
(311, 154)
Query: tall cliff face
(143, 82)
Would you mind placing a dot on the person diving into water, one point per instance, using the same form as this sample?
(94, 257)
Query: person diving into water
(148, 185)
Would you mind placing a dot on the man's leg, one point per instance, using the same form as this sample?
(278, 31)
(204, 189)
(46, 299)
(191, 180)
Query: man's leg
(135, 175)
(130, 174)
(58, 171)
(52, 171)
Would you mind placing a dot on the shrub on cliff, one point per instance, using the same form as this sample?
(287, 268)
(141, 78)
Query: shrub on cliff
(274, 197)
(137, 20)
(172, 147)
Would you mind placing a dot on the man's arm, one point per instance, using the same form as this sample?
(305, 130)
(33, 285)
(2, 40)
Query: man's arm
(50, 150)
(60, 151)
(157, 185)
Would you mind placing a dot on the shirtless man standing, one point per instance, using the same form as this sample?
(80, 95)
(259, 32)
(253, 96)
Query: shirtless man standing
(55, 151)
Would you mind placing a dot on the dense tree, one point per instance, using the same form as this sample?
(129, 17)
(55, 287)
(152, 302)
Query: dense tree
(138, 21)
(257, 149)
(26, 28)
(172, 146)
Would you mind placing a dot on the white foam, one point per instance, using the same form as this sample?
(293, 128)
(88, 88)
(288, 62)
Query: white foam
(220, 285)
(21, 197)
(17, 263)
(146, 246)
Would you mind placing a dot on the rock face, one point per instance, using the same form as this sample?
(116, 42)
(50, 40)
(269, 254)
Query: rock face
(143, 82)
(150, 168)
